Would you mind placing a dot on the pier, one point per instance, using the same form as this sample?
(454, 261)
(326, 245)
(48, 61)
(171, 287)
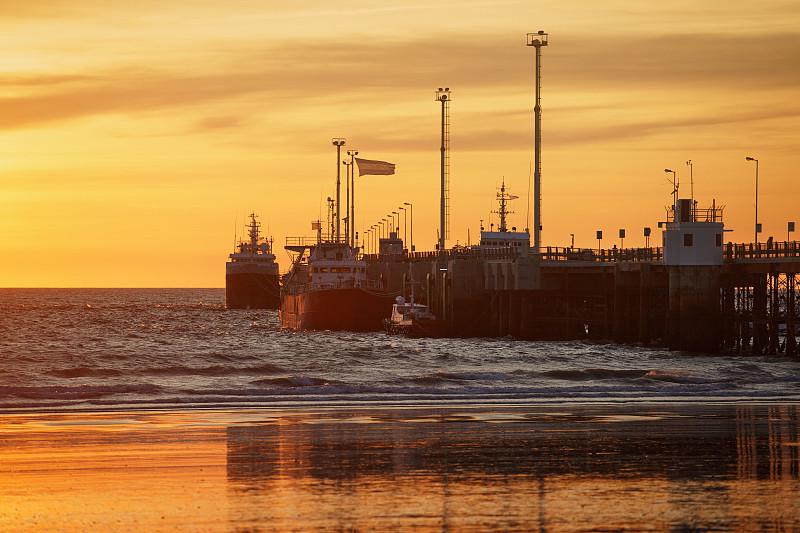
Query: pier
(747, 304)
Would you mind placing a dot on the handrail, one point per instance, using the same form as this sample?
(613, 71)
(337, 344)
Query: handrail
(550, 253)
(761, 250)
(366, 284)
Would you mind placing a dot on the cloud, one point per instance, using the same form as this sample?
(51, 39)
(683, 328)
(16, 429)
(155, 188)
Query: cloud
(380, 75)
(220, 123)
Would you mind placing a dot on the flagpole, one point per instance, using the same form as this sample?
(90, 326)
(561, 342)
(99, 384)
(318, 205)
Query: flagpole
(338, 142)
(353, 154)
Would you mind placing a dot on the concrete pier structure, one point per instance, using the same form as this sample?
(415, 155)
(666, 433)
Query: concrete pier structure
(748, 303)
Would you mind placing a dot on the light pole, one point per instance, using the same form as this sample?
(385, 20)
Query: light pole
(338, 142)
(756, 160)
(674, 183)
(396, 227)
(691, 184)
(405, 225)
(353, 154)
(537, 40)
(412, 225)
(348, 223)
(444, 96)
(411, 249)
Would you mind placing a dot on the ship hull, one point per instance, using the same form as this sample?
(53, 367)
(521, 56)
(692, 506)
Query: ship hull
(340, 309)
(252, 287)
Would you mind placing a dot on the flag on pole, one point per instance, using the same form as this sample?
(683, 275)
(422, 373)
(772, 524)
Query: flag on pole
(379, 168)
(316, 225)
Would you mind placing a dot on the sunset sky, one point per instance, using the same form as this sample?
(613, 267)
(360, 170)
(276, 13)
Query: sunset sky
(136, 136)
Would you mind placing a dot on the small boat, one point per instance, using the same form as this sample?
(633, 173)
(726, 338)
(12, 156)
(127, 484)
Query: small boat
(413, 319)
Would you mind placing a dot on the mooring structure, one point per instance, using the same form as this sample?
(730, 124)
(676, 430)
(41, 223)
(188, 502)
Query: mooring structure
(692, 293)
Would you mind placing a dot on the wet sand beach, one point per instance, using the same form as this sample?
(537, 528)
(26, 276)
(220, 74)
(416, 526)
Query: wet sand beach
(501, 468)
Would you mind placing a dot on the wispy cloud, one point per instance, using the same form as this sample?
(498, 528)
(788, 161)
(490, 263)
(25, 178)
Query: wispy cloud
(296, 75)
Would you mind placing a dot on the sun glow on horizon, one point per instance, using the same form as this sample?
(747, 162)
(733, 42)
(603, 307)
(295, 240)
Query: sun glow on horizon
(132, 142)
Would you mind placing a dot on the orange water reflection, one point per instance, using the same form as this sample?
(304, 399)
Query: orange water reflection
(590, 469)
(475, 469)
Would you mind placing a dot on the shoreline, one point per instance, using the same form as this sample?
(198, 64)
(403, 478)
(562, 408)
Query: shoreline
(394, 405)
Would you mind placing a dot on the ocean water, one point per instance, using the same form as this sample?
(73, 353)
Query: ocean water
(117, 349)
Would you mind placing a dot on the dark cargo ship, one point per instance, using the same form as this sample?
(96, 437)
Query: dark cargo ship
(251, 275)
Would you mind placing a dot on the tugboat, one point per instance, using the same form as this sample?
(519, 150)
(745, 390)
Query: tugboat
(414, 320)
(251, 275)
(327, 289)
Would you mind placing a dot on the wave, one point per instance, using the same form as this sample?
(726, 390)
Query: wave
(81, 392)
(594, 373)
(304, 390)
(462, 376)
(293, 381)
(674, 376)
(85, 372)
(213, 370)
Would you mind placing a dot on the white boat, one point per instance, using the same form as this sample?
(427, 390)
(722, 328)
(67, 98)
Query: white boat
(413, 319)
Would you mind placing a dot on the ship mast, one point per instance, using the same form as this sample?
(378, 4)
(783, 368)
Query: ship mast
(503, 198)
(253, 230)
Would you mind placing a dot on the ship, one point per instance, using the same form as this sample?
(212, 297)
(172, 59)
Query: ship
(516, 242)
(251, 275)
(327, 289)
(414, 320)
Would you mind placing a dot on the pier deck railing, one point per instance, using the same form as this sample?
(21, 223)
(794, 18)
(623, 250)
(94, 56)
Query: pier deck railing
(549, 253)
(762, 250)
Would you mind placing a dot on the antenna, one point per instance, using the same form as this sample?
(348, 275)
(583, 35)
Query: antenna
(444, 96)
(503, 198)
(235, 228)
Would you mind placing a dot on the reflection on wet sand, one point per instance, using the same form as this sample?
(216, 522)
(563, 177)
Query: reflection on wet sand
(726, 468)
(636, 468)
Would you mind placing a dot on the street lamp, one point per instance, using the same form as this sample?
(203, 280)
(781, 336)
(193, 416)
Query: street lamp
(396, 228)
(412, 225)
(691, 184)
(405, 225)
(756, 160)
(675, 186)
(338, 142)
(348, 223)
(353, 154)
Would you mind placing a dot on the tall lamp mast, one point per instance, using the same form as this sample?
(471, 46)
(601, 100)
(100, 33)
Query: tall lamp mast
(443, 95)
(537, 40)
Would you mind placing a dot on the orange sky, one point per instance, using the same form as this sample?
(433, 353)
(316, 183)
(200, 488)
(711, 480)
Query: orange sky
(135, 136)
